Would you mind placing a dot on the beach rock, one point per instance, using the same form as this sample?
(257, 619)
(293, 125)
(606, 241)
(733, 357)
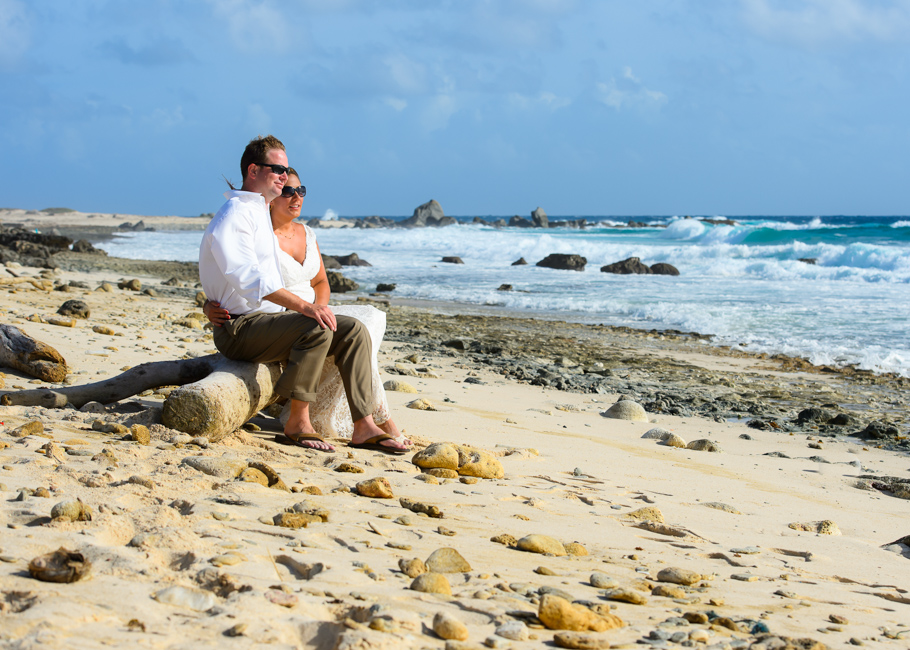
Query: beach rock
(626, 410)
(330, 262)
(564, 262)
(505, 539)
(250, 475)
(33, 428)
(349, 468)
(85, 246)
(351, 260)
(60, 566)
(71, 510)
(430, 479)
(103, 329)
(376, 488)
(447, 626)
(703, 444)
(74, 308)
(520, 222)
(399, 386)
(421, 508)
(878, 431)
(427, 214)
(625, 595)
(274, 480)
(656, 434)
(580, 641)
(520, 262)
(140, 433)
(696, 618)
(451, 259)
(432, 583)
(514, 631)
(422, 405)
(662, 268)
(218, 467)
(602, 581)
(141, 480)
(539, 218)
(505, 287)
(109, 427)
(576, 549)
(630, 266)
(542, 544)
(61, 322)
(479, 463)
(667, 591)
(340, 284)
(559, 614)
(412, 568)
(295, 519)
(447, 560)
(441, 472)
(825, 527)
(649, 513)
(384, 287)
(678, 576)
(438, 454)
(673, 440)
(130, 285)
(186, 598)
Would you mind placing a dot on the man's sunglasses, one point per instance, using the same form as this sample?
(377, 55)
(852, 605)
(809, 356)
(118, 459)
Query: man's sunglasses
(278, 169)
(288, 191)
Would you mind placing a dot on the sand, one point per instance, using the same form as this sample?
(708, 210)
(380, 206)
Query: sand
(223, 574)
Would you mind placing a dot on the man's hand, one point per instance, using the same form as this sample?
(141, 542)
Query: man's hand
(216, 315)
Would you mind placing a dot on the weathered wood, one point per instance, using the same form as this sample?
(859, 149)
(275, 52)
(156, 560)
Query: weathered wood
(20, 351)
(132, 382)
(223, 401)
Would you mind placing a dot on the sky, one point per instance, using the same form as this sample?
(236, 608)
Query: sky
(491, 107)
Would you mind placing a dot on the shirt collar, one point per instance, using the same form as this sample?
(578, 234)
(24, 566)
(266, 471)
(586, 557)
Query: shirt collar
(244, 196)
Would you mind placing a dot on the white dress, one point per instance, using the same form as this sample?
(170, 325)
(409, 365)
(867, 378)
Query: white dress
(330, 413)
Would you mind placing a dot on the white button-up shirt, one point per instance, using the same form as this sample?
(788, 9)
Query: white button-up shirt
(238, 257)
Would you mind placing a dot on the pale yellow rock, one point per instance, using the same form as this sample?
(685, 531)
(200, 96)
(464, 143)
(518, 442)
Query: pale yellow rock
(399, 386)
(678, 576)
(422, 405)
(432, 583)
(559, 614)
(448, 627)
(574, 548)
(649, 513)
(377, 488)
(103, 329)
(542, 544)
(674, 440)
(439, 454)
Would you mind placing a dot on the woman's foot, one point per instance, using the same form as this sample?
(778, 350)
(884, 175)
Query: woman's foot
(309, 441)
(390, 428)
(365, 431)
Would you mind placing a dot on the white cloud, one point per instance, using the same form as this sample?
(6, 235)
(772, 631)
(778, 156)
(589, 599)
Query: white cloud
(396, 103)
(815, 22)
(628, 92)
(14, 32)
(256, 25)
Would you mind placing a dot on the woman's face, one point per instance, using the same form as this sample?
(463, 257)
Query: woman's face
(288, 206)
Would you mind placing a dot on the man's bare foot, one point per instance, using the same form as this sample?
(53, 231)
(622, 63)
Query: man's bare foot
(391, 428)
(310, 441)
(365, 429)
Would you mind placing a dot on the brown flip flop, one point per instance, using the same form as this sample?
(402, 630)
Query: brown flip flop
(299, 441)
(372, 444)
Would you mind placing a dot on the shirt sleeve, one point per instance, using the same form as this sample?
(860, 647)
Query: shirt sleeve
(250, 273)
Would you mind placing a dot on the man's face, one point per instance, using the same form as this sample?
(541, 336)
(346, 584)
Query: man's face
(263, 179)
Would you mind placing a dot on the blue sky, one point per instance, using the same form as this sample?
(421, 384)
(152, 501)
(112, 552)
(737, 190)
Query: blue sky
(583, 107)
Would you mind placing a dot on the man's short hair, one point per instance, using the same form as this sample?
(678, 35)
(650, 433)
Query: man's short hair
(256, 150)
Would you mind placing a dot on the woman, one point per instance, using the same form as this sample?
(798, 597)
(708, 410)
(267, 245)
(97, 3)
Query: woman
(304, 274)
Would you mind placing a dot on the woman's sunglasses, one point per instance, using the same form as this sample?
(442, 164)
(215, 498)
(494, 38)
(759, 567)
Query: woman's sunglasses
(288, 191)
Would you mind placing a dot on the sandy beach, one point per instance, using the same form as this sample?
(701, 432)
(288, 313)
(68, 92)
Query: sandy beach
(782, 534)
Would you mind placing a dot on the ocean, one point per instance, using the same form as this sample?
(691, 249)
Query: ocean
(743, 283)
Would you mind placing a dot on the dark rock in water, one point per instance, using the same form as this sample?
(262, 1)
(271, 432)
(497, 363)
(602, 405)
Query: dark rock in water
(564, 262)
(351, 260)
(843, 419)
(505, 287)
(479, 220)
(444, 221)
(636, 224)
(456, 344)
(813, 414)
(10, 235)
(499, 223)
(451, 259)
(340, 284)
(85, 246)
(720, 222)
(74, 308)
(423, 214)
(539, 218)
(662, 268)
(808, 260)
(520, 222)
(385, 288)
(330, 262)
(879, 431)
(520, 262)
(629, 266)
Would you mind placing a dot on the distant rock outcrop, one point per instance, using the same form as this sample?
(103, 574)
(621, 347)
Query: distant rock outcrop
(351, 260)
(634, 265)
(330, 262)
(520, 222)
(452, 259)
(662, 268)
(340, 284)
(520, 262)
(539, 218)
(428, 214)
(564, 262)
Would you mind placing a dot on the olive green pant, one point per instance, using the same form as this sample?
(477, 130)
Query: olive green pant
(304, 345)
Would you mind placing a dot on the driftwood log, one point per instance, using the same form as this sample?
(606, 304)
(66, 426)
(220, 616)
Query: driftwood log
(216, 395)
(20, 351)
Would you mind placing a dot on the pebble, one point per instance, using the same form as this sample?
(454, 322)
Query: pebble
(376, 488)
(140, 434)
(704, 445)
(825, 527)
(657, 434)
(432, 583)
(696, 618)
(399, 386)
(141, 480)
(441, 472)
(541, 544)
(514, 631)
(467, 480)
(447, 560)
(649, 513)
(228, 559)
(418, 507)
(447, 626)
(746, 550)
(218, 467)
(745, 577)
(250, 475)
(674, 440)
(412, 568)
(717, 505)
(71, 510)
(429, 479)
(281, 598)
(545, 571)
(666, 591)
(626, 410)
(625, 595)
(422, 405)
(186, 597)
(349, 468)
(32, 428)
(505, 539)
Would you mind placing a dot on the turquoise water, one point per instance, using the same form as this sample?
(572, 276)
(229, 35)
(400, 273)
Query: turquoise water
(742, 283)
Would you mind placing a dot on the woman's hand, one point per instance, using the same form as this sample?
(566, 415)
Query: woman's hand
(216, 315)
(321, 314)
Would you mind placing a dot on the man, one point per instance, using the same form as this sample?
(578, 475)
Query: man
(239, 268)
